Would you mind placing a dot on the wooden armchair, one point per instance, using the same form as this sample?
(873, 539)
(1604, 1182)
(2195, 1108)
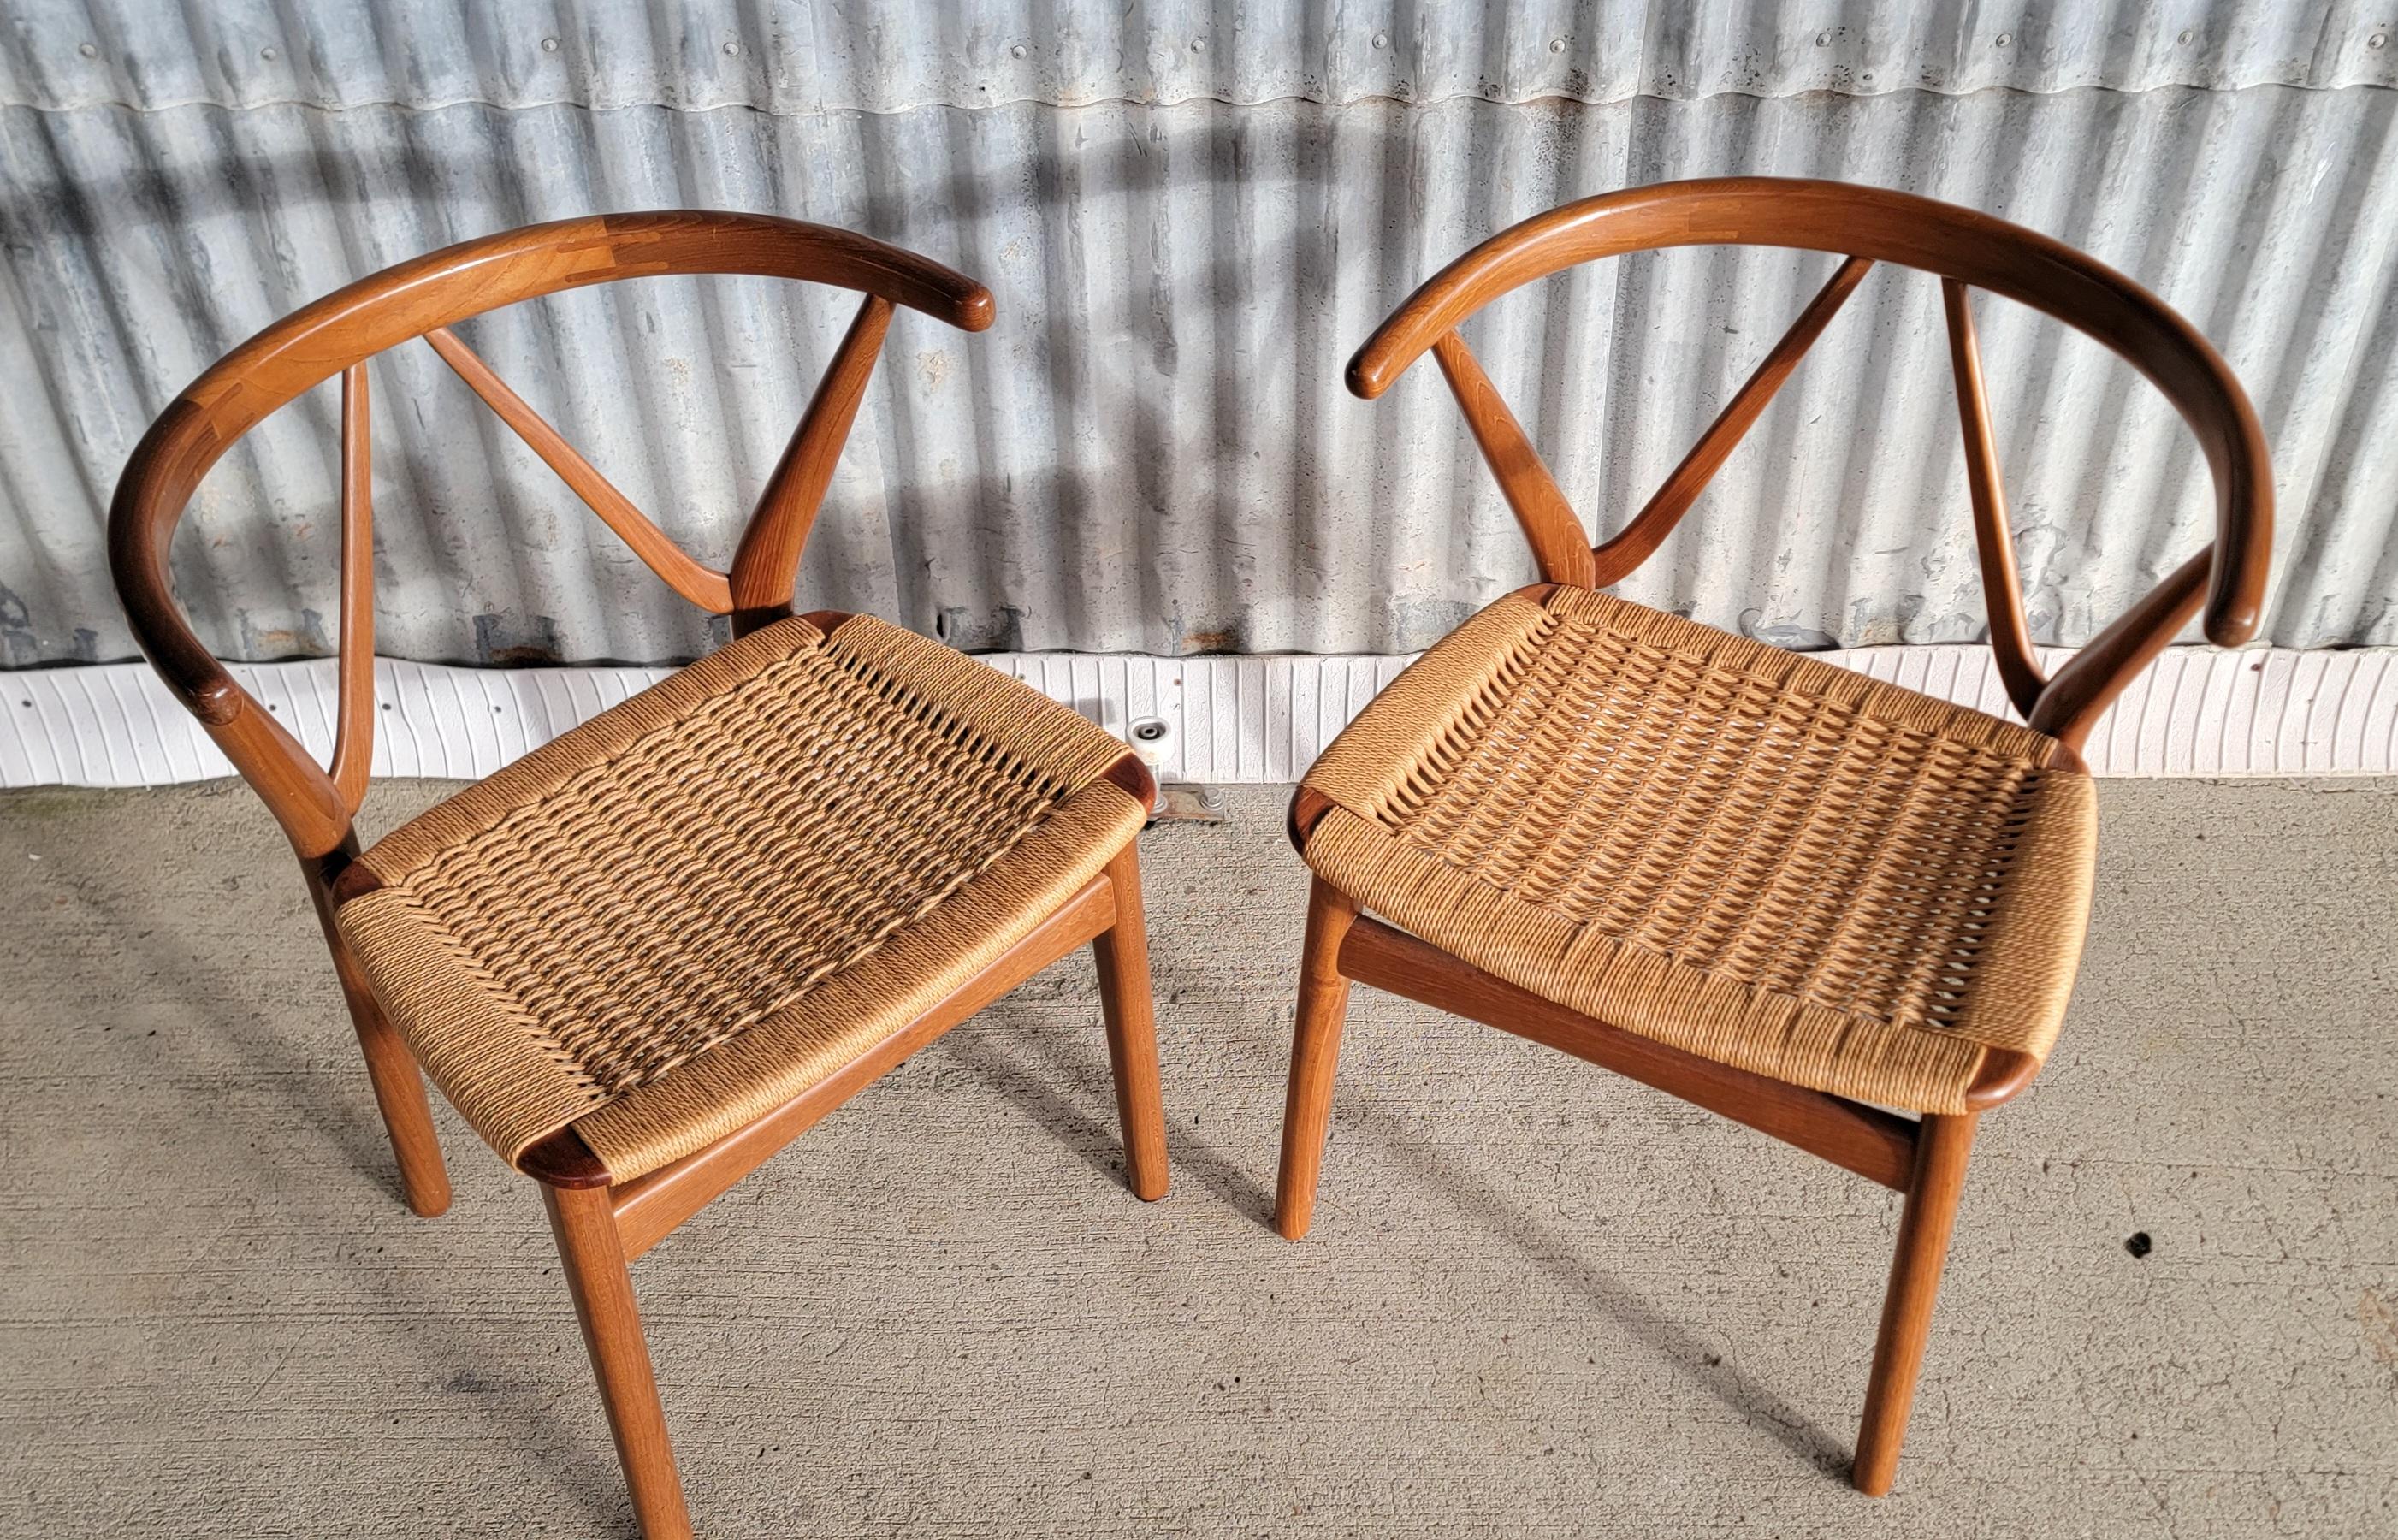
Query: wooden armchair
(648, 955)
(1775, 889)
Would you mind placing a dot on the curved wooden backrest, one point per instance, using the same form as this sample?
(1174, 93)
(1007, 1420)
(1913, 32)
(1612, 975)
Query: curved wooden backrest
(424, 298)
(1865, 225)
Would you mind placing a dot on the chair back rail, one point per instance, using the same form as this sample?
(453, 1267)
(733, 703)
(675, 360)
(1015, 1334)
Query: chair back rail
(1968, 251)
(424, 298)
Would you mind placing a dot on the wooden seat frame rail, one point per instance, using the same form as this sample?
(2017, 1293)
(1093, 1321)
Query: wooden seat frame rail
(1924, 1158)
(600, 1224)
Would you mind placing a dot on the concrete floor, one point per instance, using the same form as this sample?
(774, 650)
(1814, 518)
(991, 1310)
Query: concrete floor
(1538, 1301)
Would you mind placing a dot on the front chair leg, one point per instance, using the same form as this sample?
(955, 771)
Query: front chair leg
(1942, 1148)
(593, 1251)
(1122, 951)
(1314, 1053)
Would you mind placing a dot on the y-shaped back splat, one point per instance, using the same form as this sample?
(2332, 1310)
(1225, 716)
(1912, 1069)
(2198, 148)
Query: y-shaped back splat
(1865, 225)
(1558, 544)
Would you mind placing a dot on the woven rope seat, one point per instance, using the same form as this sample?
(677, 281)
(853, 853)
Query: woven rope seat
(1743, 853)
(713, 897)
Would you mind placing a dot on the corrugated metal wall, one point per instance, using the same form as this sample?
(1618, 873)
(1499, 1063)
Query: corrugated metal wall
(1189, 217)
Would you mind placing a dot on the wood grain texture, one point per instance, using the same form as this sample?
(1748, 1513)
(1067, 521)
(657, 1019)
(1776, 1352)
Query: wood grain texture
(649, 1206)
(1121, 954)
(354, 735)
(391, 1068)
(702, 586)
(426, 294)
(2082, 690)
(941, 1306)
(597, 1222)
(2226, 583)
(565, 1159)
(766, 565)
(2006, 1074)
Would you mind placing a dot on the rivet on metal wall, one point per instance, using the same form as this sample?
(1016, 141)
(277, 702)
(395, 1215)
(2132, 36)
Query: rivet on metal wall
(549, 44)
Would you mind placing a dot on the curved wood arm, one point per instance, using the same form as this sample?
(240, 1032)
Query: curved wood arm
(1882, 225)
(338, 333)
(2071, 703)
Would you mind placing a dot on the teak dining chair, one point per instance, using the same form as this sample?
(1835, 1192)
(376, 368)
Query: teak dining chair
(1776, 888)
(643, 957)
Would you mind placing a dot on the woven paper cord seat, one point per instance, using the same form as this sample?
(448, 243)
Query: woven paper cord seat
(712, 897)
(1743, 853)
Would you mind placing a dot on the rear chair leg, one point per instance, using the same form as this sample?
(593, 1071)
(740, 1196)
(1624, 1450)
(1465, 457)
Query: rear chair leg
(1942, 1149)
(1123, 955)
(589, 1243)
(407, 1117)
(1315, 1052)
(398, 1087)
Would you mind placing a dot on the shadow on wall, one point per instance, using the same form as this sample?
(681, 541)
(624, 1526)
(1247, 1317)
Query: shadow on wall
(1151, 450)
(1180, 460)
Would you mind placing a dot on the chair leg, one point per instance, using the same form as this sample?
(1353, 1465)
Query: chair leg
(1315, 1052)
(407, 1117)
(1940, 1150)
(399, 1086)
(585, 1222)
(1122, 952)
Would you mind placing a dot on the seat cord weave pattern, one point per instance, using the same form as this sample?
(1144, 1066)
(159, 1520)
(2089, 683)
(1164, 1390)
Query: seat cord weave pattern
(658, 904)
(667, 892)
(1689, 812)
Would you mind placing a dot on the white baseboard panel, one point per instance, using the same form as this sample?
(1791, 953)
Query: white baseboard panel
(2197, 712)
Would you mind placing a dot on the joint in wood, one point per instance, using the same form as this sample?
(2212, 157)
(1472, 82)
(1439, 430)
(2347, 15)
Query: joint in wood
(562, 1159)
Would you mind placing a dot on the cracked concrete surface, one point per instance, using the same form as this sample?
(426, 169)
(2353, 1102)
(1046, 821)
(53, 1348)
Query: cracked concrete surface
(1538, 1301)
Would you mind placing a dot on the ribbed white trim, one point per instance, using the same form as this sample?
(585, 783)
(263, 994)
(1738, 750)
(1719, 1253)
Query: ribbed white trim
(2198, 712)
